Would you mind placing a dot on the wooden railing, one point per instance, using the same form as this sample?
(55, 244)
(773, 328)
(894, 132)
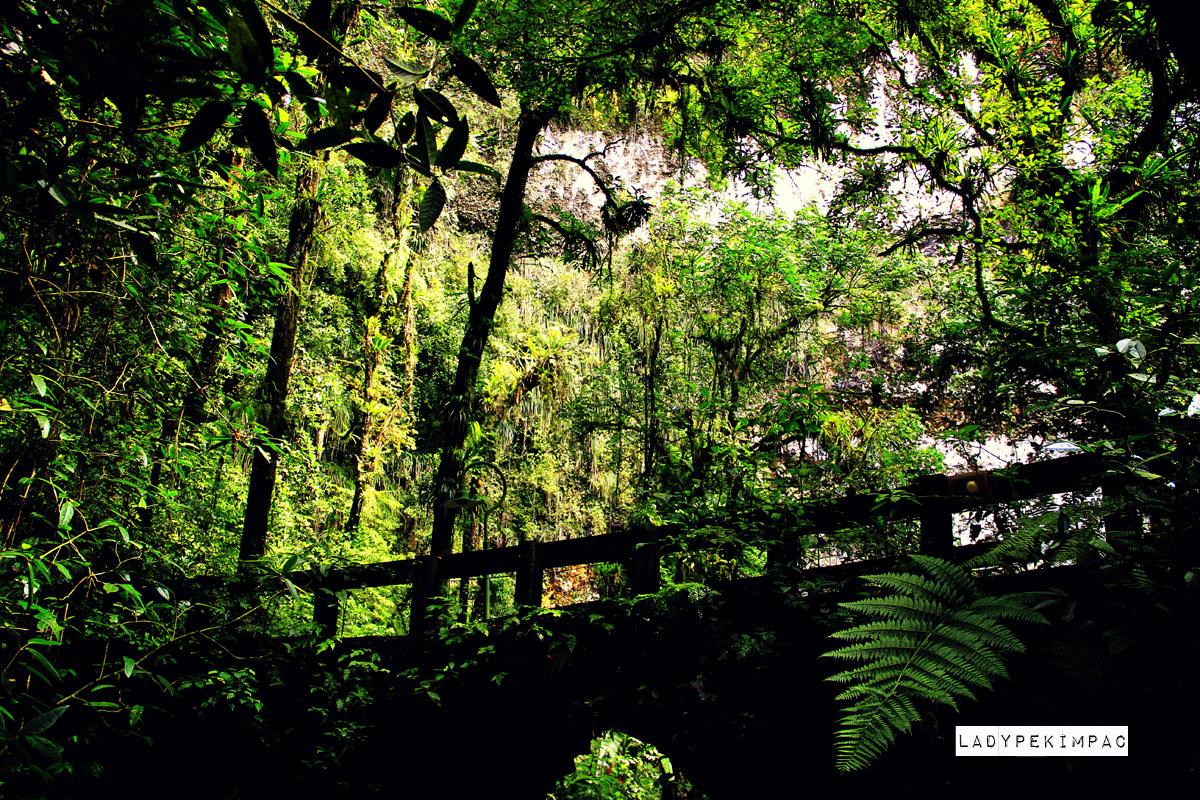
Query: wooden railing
(933, 499)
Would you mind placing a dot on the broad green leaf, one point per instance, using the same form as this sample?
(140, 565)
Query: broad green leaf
(204, 124)
(407, 73)
(423, 147)
(359, 79)
(39, 383)
(435, 105)
(431, 205)
(244, 54)
(405, 128)
(474, 78)
(44, 721)
(375, 154)
(456, 144)
(299, 84)
(47, 747)
(130, 666)
(429, 23)
(65, 514)
(378, 110)
(256, 127)
(478, 169)
(1133, 348)
(325, 138)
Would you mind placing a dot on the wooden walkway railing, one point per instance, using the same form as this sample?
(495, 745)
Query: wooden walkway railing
(933, 499)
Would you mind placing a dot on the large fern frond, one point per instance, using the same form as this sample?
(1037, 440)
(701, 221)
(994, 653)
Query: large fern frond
(934, 638)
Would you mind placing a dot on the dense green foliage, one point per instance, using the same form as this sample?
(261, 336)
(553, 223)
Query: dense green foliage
(291, 284)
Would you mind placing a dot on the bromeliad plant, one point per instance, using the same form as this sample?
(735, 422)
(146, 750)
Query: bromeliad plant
(934, 638)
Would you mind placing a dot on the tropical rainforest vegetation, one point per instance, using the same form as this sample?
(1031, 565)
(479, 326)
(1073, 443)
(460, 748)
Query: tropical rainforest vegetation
(295, 284)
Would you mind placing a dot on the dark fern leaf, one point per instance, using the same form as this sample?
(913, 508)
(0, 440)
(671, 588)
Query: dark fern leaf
(933, 640)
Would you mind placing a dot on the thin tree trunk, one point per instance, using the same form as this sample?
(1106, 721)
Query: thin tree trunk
(462, 403)
(302, 235)
(306, 214)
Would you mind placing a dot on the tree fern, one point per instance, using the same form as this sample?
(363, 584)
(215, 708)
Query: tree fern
(933, 638)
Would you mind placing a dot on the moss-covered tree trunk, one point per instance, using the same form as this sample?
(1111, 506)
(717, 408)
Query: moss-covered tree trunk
(462, 404)
(302, 232)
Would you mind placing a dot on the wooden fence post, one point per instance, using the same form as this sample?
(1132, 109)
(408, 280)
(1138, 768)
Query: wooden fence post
(642, 569)
(326, 611)
(1119, 517)
(529, 575)
(424, 584)
(937, 521)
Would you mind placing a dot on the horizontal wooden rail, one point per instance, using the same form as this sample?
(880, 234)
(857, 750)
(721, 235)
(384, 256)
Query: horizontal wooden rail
(933, 499)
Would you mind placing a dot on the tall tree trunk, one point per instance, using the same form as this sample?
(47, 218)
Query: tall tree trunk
(462, 404)
(306, 214)
(302, 234)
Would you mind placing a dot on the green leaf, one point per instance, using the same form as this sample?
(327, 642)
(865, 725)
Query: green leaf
(130, 666)
(256, 127)
(44, 422)
(405, 128)
(1133, 348)
(478, 169)
(463, 15)
(934, 639)
(456, 144)
(423, 146)
(376, 154)
(44, 721)
(431, 205)
(325, 138)
(39, 383)
(407, 73)
(244, 54)
(204, 124)
(429, 23)
(50, 749)
(378, 110)
(299, 85)
(435, 105)
(474, 78)
(252, 16)
(359, 79)
(65, 514)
